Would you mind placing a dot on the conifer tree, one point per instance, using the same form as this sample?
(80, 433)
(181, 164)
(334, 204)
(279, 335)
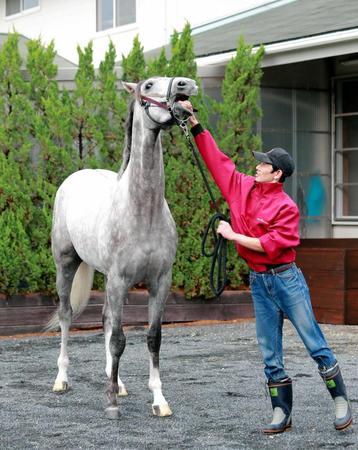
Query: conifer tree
(239, 109)
(18, 268)
(88, 138)
(42, 70)
(52, 124)
(16, 114)
(18, 256)
(182, 62)
(235, 131)
(133, 65)
(159, 66)
(185, 191)
(112, 111)
(56, 157)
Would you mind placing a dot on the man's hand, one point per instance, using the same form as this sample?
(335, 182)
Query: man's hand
(226, 231)
(187, 105)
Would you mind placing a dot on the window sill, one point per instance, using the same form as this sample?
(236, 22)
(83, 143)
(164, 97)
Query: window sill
(116, 30)
(345, 222)
(26, 12)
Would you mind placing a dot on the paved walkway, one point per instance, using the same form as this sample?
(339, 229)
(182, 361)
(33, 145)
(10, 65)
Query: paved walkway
(212, 378)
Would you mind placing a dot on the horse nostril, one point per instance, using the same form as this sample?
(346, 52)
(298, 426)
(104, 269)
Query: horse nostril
(182, 83)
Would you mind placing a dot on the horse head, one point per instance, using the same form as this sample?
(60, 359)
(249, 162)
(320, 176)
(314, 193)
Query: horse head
(159, 99)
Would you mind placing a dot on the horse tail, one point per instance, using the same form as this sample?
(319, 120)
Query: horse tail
(81, 288)
(79, 297)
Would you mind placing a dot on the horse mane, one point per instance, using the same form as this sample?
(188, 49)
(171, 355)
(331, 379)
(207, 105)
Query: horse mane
(128, 132)
(127, 139)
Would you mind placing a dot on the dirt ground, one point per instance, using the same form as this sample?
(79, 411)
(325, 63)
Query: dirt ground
(212, 378)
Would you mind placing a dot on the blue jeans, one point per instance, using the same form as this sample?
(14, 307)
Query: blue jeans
(276, 295)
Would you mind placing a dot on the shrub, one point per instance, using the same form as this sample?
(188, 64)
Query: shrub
(46, 134)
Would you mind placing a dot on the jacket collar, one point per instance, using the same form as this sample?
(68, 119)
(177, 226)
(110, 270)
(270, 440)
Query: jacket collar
(268, 188)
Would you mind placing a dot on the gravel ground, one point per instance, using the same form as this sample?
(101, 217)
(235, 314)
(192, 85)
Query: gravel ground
(212, 378)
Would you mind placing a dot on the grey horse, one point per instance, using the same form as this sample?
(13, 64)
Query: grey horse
(120, 224)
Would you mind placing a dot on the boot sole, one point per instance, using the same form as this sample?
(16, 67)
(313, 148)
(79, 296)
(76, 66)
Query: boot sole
(281, 430)
(346, 425)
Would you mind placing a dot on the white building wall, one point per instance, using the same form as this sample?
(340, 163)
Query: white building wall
(71, 23)
(66, 22)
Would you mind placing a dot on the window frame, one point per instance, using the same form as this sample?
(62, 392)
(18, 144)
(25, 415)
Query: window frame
(22, 10)
(114, 19)
(336, 150)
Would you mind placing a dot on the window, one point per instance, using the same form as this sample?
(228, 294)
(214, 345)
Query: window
(299, 121)
(115, 13)
(17, 6)
(345, 149)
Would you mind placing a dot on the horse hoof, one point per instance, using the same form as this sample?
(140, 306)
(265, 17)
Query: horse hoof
(122, 392)
(112, 412)
(162, 410)
(60, 387)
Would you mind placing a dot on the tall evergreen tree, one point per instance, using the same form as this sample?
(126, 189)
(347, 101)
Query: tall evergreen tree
(58, 156)
(88, 138)
(185, 192)
(182, 62)
(112, 111)
(55, 157)
(235, 131)
(16, 114)
(133, 65)
(18, 255)
(42, 70)
(18, 260)
(239, 109)
(158, 66)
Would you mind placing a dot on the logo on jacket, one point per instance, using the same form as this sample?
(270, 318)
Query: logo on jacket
(259, 219)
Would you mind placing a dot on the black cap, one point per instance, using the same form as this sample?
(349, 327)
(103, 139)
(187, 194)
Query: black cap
(277, 157)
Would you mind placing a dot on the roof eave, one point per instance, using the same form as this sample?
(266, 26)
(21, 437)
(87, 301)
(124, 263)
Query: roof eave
(288, 52)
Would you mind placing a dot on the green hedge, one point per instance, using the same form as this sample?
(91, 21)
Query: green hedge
(46, 134)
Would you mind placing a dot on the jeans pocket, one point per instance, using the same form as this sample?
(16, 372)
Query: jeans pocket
(302, 279)
(288, 275)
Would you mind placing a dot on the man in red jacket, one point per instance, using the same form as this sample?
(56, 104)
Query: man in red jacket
(265, 230)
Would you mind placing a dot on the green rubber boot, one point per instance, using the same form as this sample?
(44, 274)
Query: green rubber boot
(281, 400)
(335, 385)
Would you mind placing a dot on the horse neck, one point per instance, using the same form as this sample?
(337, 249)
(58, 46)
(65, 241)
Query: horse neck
(145, 168)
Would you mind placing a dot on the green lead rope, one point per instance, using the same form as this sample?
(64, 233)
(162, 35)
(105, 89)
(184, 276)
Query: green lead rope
(218, 254)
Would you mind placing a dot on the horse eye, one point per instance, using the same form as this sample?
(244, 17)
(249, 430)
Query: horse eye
(149, 85)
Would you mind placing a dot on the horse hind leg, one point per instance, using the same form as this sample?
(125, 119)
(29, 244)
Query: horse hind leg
(67, 265)
(157, 298)
(107, 328)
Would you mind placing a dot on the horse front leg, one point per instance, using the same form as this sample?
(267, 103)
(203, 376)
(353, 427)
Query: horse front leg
(107, 328)
(157, 298)
(115, 295)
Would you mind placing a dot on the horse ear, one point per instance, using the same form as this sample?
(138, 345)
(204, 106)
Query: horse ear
(129, 87)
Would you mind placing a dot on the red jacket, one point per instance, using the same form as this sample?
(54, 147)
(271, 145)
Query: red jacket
(260, 210)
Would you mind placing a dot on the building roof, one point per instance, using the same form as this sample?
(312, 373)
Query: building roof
(291, 30)
(275, 22)
(62, 63)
